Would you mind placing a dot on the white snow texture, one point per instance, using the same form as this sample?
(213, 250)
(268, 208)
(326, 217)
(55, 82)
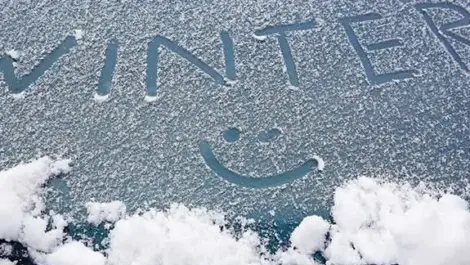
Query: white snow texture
(376, 222)
(105, 212)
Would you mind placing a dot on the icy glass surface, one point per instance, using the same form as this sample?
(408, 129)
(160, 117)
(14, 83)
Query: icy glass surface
(234, 105)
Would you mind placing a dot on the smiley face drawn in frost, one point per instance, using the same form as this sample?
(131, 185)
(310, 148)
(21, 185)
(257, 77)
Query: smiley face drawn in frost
(232, 135)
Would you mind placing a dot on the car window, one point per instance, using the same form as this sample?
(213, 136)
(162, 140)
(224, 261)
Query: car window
(283, 131)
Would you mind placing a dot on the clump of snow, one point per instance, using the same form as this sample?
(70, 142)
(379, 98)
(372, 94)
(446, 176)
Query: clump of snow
(230, 82)
(36, 236)
(18, 96)
(78, 34)
(180, 236)
(292, 257)
(6, 262)
(20, 200)
(320, 162)
(340, 252)
(310, 236)
(380, 222)
(5, 249)
(105, 212)
(375, 222)
(100, 98)
(74, 253)
(14, 54)
(260, 37)
(150, 98)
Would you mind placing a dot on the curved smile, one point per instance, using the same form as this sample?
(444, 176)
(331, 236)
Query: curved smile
(253, 182)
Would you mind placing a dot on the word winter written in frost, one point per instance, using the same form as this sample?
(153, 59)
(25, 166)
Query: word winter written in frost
(443, 33)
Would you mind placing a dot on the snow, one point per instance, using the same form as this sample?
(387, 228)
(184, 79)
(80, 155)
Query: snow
(127, 149)
(14, 54)
(391, 223)
(339, 250)
(5, 249)
(292, 257)
(320, 161)
(128, 141)
(230, 82)
(310, 235)
(20, 204)
(35, 235)
(149, 99)
(78, 34)
(260, 37)
(375, 222)
(105, 212)
(74, 253)
(180, 236)
(100, 98)
(6, 262)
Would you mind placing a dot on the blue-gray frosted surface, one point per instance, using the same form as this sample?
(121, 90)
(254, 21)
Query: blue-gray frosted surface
(148, 152)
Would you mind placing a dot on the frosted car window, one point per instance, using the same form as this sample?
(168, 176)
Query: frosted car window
(260, 109)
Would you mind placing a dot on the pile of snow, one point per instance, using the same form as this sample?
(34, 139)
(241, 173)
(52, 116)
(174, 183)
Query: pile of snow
(105, 212)
(378, 222)
(387, 223)
(14, 54)
(6, 262)
(5, 249)
(181, 236)
(375, 222)
(309, 236)
(21, 204)
(74, 253)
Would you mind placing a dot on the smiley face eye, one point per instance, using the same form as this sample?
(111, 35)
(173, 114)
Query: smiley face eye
(231, 135)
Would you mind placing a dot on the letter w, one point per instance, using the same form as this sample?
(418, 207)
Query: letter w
(17, 85)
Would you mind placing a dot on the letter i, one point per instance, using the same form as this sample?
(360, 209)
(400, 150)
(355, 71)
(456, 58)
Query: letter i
(107, 72)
